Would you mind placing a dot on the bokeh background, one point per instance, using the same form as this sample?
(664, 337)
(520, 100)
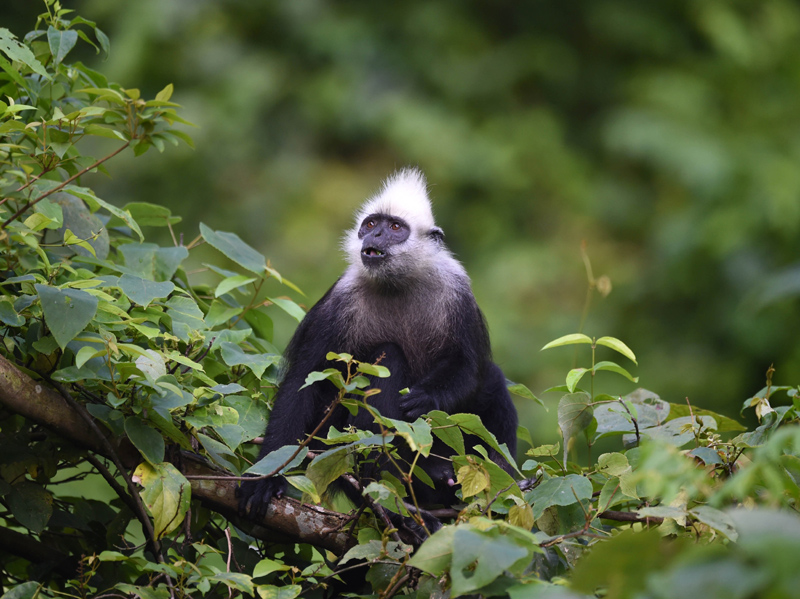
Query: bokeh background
(665, 135)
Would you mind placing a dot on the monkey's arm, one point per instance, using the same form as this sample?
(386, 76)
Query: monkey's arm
(452, 381)
(296, 411)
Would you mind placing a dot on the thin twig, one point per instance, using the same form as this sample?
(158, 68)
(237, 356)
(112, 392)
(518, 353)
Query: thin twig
(61, 186)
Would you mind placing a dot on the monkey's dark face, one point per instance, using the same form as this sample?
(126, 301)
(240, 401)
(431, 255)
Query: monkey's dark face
(379, 233)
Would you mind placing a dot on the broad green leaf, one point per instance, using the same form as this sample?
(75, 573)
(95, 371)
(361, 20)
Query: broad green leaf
(165, 94)
(232, 283)
(101, 131)
(66, 311)
(233, 355)
(435, 555)
(152, 262)
(261, 323)
(724, 423)
(88, 196)
(289, 591)
(447, 431)
(166, 493)
(472, 479)
(86, 353)
(568, 340)
(716, 519)
(521, 390)
(31, 505)
(471, 424)
(562, 490)
(612, 464)
(481, 557)
(612, 417)
(612, 367)
(146, 439)
(574, 415)
(270, 463)
(303, 484)
(17, 51)
(574, 376)
(218, 452)
(61, 42)
(149, 215)
(329, 466)
(220, 312)
(373, 370)
(289, 307)
(142, 291)
(234, 248)
(268, 566)
(9, 316)
(317, 376)
(618, 346)
(417, 435)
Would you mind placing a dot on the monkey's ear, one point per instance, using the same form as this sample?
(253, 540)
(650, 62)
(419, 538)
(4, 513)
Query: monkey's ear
(436, 234)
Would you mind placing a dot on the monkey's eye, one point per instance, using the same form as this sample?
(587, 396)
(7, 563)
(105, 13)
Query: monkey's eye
(395, 226)
(370, 224)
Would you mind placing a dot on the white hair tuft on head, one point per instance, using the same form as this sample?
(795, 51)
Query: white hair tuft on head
(405, 195)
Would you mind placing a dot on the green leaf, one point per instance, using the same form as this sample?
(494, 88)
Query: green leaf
(612, 464)
(233, 355)
(574, 415)
(617, 346)
(16, 51)
(87, 195)
(31, 505)
(446, 431)
(482, 556)
(724, 423)
(270, 462)
(146, 439)
(234, 248)
(61, 42)
(232, 283)
(165, 94)
(471, 424)
(261, 323)
(717, 520)
(149, 215)
(574, 376)
(568, 340)
(9, 316)
(612, 367)
(329, 466)
(289, 307)
(435, 554)
(562, 490)
(521, 390)
(152, 262)
(66, 311)
(143, 291)
(166, 493)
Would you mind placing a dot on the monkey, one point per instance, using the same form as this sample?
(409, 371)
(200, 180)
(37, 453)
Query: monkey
(405, 301)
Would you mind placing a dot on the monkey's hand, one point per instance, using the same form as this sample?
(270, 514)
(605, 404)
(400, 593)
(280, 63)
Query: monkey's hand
(415, 403)
(255, 495)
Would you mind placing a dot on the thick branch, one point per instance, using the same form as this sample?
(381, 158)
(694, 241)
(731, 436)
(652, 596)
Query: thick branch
(286, 517)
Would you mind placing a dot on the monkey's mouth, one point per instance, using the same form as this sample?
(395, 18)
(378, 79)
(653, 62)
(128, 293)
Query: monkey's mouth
(372, 257)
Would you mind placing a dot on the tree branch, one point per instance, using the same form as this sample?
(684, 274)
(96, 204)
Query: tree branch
(286, 517)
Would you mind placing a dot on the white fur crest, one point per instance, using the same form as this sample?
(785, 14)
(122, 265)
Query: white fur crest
(405, 195)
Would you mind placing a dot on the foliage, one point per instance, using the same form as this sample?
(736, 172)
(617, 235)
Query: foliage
(175, 368)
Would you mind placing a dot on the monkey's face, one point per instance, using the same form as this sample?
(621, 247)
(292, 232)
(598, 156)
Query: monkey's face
(381, 237)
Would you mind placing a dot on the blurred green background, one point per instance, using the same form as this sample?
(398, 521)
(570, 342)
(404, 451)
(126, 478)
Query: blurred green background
(666, 135)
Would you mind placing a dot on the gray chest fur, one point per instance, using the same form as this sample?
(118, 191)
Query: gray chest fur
(416, 320)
